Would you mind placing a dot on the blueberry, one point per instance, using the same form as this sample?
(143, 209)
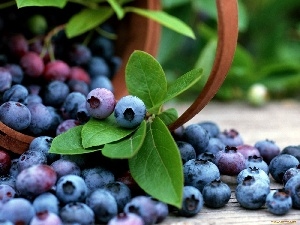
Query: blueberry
(251, 193)
(280, 164)
(279, 202)
(192, 202)
(82, 114)
(71, 103)
(258, 162)
(186, 150)
(290, 173)
(15, 115)
(31, 157)
(100, 103)
(46, 202)
(98, 66)
(247, 150)
(215, 145)
(64, 167)
(198, 173)
(79, 54)
(103, 47)
(55, 93)
(32, 64)
(35, 180)
(208, 156)
(71, 188)
(41, 119)
(130, 111)
(197, 136)
(268, 149)
(5, 79)
(144, 207)
(56, 70)
(101, 82)
(16, 72)
(77, 213)
(78, 86)
(231, 137)
(16, 93)
(46, 218)
(18, 211)
(211, 127)
(292, 150)
(230, 161)
(7, 193)
(33, 98)
(126, 218)
(216, 194)
(5, 162)
(293, 186)
(121, 193)
(252, 171)
(162, 210)
(97, 177)
(103, 203)
(66, 125)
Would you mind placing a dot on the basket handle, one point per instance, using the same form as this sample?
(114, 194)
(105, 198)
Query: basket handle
(227, 41)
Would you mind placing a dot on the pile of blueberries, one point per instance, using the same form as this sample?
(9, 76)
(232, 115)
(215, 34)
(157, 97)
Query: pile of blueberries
(45, 97)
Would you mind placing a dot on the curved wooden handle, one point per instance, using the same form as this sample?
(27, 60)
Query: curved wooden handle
(227, 41)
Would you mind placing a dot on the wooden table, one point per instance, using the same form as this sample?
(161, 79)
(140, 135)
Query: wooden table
(277, 121)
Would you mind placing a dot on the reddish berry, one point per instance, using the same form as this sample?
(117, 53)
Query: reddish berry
(57, 70)
(5, 162)
(32, 64)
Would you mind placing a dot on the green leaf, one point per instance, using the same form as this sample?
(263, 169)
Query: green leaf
(157, 167)
(146, 79)
(54, 3)
(99, 132)
(183, 83)
(168, 116)
(164, 19)
(69, 142)
(86, 20)
(117, 8)
(126, 147)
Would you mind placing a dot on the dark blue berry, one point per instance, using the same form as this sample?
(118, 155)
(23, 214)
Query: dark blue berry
(144, 207)
(198, 173)
(16, 73)
(16, 93)
(15, 115)
(121, 193)
(293, 186)
(280, 164)
(79, 54)
(192, 202)
(268, 149)
(71, 188)
(97, 177)
(78, 86)
(216, 194)
(130, 111)
(215, 145)
(5, 79)
(18, 211)
(55, 93)
(279, 202)
(290, 173)
(231, 137)
(211, 127)
(186, 150)
(98, 66)
(251, 193)
(292, 150)
(64, 167)
(125, 219)
(70, 105)
(252, 171)
(103, 203)
(258, 162)
(101, 82)
(77, 213)
(197, 136)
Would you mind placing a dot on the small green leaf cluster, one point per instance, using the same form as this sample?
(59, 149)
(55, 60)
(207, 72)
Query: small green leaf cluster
(94, 14)
(152, 153)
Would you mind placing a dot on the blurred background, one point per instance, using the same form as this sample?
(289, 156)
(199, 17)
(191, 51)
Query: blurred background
(266, 65)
